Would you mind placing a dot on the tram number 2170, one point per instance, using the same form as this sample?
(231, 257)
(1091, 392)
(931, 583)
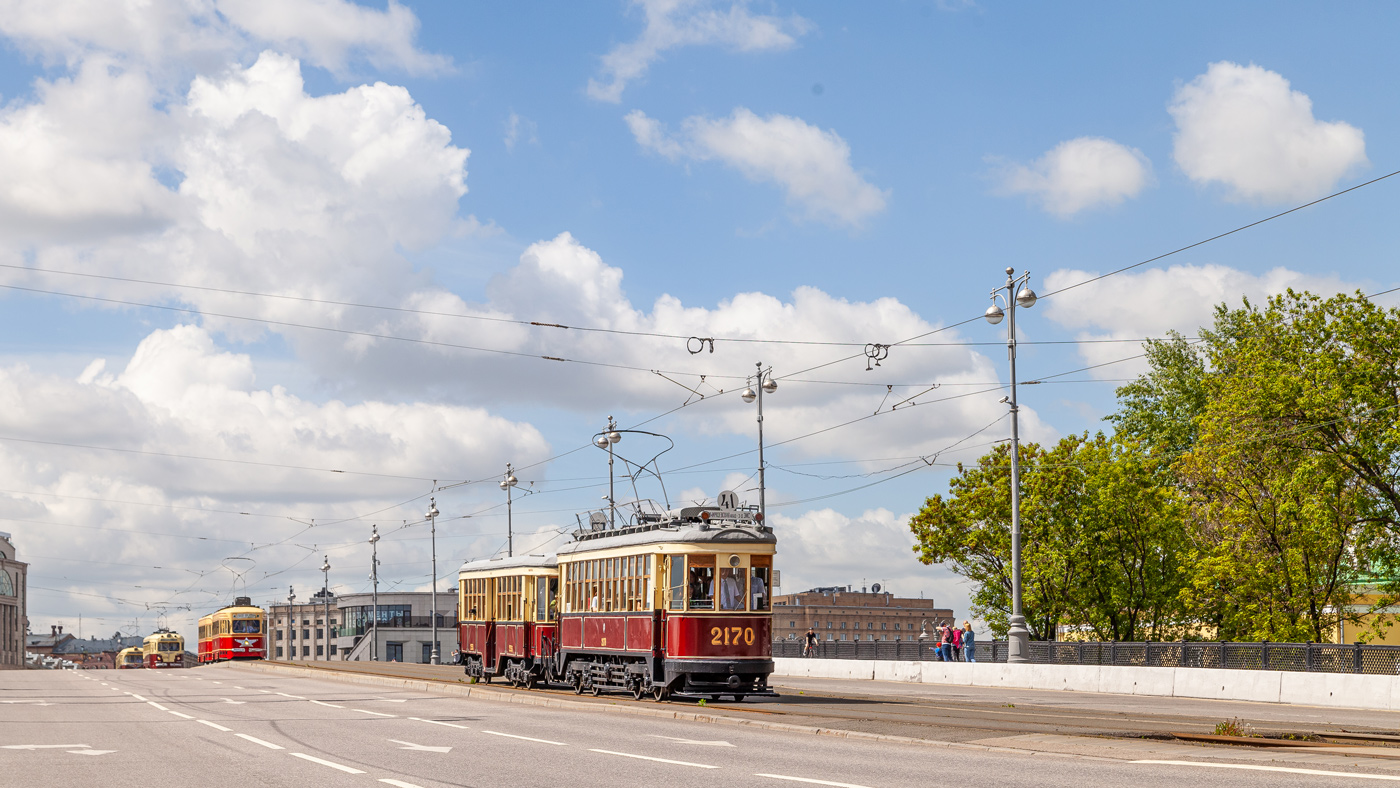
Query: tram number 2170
(731, 636)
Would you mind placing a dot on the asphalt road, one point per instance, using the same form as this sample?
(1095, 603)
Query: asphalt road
(238, 726)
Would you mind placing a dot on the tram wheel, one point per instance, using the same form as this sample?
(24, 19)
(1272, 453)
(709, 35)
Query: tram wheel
(578, 685)
(638, 691)
(658, 694)
(595, 689)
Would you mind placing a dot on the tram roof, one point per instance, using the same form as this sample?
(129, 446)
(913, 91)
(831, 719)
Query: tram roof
(535, 560)
(698, 525)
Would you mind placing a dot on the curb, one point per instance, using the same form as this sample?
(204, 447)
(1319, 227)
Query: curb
(475, 691)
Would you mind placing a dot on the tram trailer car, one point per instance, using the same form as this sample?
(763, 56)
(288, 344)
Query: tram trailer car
(131, 658)
(238, 631)
(163, 649)
(675, 604)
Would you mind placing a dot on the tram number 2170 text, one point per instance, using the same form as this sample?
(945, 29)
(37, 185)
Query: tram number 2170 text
(731, 636)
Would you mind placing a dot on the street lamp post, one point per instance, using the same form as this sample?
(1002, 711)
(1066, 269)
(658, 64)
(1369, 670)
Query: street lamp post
(326, 603)
(767, 384)
(291, 597)
(606, 440)
(507, 484)
(432, 518)
(1018, 638)
(374, 594)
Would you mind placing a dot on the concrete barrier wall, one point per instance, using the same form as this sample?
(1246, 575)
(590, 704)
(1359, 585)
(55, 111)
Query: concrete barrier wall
(1270, 686)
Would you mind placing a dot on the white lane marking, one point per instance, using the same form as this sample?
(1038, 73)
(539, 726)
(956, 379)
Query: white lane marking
(391, 700)
(526, 738)
(255, 740)
(692, 741)
(1357, 775)
(138, 697)
(809, 780)
(90, 752)
(440, 722)
(234, 702)
(35, 701)
(182, 716)
(266, 692)
(215, 725)
(218, 682)
(658, 760)
(408, 745)
(237, 687)
(375, 713)
(324, 762)
(399, 783)
(323, 703)
(157, 705)
(42, 746)
(285, 695)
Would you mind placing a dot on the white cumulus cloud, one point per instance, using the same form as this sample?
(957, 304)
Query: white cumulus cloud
(678, 23)
(1151, 302)
(1082, 173)
(811, 164)
(1245, 127)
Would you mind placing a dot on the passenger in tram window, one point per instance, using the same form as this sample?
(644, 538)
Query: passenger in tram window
(758, 587)
(731, 588)
(702, 582)
(593, 600)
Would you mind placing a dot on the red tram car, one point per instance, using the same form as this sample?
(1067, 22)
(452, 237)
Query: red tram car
(675, 604)
(238, 631)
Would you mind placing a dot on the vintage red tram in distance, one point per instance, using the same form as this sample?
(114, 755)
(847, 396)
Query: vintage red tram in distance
(675, 603)
(238, 631)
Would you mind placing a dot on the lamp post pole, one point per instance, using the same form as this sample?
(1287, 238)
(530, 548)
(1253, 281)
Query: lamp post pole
(1018, 637)
(326, 603)
(432, 518)
(374, 594)
(606, 440)
(765, 383)
(507, 484)
(291, 597)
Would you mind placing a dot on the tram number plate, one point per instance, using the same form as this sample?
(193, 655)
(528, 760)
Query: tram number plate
(731, 636)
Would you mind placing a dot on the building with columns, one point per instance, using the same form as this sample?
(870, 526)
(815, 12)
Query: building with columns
(842, 615)
(14, 619)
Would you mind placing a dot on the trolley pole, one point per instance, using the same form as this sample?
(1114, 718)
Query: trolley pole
(374, 595)
(326, 603)
(432, 518)
(508, 482)
(612, 497)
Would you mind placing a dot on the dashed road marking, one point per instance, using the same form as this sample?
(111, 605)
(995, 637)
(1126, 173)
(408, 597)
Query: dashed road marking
(440, 722)
(183, 716)
(527, 738)
(658, 760)
(323, 703)
(157, 705)
(399, 783)
(375, 713)
(1251, 767)
(324, 762)
(809, 780)
(256, 740)
(285, 695)
(215, 725)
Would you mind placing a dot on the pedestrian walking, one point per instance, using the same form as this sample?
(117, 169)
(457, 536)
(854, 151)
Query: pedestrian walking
(947, 642)
(957, 645)
(969, 642)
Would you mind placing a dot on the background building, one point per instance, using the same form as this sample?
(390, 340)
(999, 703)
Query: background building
(304, 631)
(14, 621)
(405, 627)
(95, 654)
(839, 614)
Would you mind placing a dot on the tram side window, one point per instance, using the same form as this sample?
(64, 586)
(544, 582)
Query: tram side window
(731, 588)
(701, 581)
(760, 577)
(677, 582)
(546, 602)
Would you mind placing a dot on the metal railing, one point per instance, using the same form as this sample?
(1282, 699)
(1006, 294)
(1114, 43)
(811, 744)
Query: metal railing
(1299, 657)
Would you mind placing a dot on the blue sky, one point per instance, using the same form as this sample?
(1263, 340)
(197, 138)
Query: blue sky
(818, 172)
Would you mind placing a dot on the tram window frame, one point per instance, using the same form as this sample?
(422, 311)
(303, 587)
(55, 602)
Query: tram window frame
(675, 586)
(761, 568)
(731, 581)
(696, 566)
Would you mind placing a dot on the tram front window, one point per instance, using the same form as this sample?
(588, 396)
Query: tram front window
(760, 576)
(702, 582)
(731, 588)
(245, 627)
(168, 645)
